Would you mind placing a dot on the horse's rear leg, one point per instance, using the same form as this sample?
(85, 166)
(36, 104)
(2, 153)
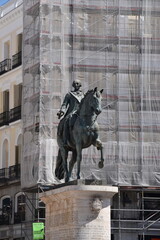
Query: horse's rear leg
(64, 154)
(59, 171)
(79, 158)
(72, 162)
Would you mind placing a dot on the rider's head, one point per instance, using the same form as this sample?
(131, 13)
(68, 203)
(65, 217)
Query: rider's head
(76, 84)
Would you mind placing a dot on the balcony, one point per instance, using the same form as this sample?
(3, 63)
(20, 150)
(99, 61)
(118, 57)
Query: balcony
(16, 60)
(8, 64)
(14, 172)
(4, 118)
(3, 175)
(4, 219)
(15, 114)
(10, 116)
(5, 66)
(10, 174)
(19, 217)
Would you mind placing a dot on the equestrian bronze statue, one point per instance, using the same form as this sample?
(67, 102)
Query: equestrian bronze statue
(78, 130)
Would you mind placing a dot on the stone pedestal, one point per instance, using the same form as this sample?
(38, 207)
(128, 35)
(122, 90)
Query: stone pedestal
(78, 212)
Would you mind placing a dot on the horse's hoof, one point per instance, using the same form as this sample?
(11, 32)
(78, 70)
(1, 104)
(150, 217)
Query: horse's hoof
(66, 179)
(100, 164)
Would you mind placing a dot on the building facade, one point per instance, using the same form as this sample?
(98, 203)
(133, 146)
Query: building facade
(113, 45)
(17, 209)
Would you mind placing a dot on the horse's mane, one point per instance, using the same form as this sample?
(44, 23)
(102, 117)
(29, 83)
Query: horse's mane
(83, 99)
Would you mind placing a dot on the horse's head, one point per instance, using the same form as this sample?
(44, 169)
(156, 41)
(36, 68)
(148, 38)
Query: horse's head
(91, 103)
(95, 101)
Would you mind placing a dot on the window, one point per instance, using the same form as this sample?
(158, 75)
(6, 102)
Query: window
(6, 204)
(4, 116)
(7, 50)
(17, 95)
(17, 57)
(5, 154)
(41, 210)
(20, 202)
(19, 42)
(19, 207)
(15, 112)
(6, 101)
(6, 210)
(18, 150)
(5, 65)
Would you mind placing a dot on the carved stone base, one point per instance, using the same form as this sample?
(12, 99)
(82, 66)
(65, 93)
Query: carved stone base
(78, 212)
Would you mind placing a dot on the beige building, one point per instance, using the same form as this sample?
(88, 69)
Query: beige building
(16, 207)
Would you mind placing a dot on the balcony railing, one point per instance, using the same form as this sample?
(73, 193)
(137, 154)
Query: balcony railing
(10, 116)
(4, 118)
(3, 175)
(15, 114)
(4, 219)
(17, 60)
(19, 217)
(5, 66)
(10, 174)
(14, 172)
(8, 64)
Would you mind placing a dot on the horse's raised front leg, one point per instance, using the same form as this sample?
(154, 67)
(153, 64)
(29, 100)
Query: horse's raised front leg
(101, 163)
(99, 146)
(64, 153)
(79, 158)
(72, 162)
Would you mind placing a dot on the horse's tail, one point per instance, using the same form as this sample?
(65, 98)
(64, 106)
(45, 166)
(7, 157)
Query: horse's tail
(59, 171)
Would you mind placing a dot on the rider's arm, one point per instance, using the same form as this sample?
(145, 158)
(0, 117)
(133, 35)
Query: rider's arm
(64, 105)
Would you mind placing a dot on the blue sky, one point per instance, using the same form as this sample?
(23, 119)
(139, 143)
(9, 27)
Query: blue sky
(2, 2)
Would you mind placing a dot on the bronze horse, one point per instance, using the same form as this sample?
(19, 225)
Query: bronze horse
(82, 134)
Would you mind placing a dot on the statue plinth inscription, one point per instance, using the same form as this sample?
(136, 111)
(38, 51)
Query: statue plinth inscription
(78, 212)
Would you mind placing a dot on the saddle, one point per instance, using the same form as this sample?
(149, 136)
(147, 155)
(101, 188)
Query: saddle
(67, 123)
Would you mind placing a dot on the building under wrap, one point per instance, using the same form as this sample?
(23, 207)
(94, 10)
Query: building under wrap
(111, 44)
(114, 45)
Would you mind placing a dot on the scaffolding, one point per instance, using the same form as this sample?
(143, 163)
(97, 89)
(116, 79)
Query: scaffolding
(136, 213)
(34, 212)
(109, 44)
